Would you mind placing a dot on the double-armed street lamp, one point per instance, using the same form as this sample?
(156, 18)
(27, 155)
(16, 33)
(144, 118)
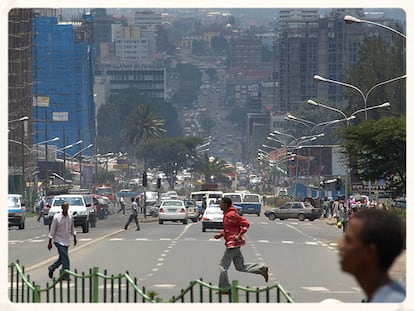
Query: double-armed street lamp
(80, 161)
(298, 144)
(64, 153)
(364, 95)
(347, 119)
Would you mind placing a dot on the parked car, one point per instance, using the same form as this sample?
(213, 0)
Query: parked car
(298, 210)
(212, 218)
(192, 210)
(172, 210)
(16, 210)
(77, 206)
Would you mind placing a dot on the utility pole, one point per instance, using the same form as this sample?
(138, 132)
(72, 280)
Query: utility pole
(46, 156)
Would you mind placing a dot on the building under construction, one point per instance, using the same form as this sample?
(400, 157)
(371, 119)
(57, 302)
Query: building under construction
(21, 166)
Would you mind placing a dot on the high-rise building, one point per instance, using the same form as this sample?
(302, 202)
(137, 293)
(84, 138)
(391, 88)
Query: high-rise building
(310, 44)
(63, 82)
(20, 98)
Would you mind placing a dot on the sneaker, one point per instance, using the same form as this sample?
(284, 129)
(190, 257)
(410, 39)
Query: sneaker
(266, 274)
(65, 278)
(138, 229)
(50, 274)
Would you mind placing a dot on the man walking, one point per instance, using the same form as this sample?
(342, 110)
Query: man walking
(234, 227)
(61, 228)
(367, 250)
(122, 205)
(134, 214)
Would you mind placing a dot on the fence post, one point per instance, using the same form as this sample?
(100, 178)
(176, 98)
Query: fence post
(234, 291)
(95, 284)
(36, 293)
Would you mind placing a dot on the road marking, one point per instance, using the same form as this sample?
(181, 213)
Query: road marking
(165, 285)
(311, 243)
(116, 239)
(316, 288)
(37, 241)
(165, 239)
(287, 242)
(15, 241)
(263, 241)
(85, 239)
(141, 239)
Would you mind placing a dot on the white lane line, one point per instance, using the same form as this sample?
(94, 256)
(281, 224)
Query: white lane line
(316, 288)
(116, 239)
(85, 239)
(287, 242)
(165, 285)
(263, 241)
(311, 243)
(141, 239)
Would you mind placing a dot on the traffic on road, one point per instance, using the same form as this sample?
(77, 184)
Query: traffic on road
(302, 256)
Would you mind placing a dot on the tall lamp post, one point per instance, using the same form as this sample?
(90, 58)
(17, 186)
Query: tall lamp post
(348, 182)
(80, 161)
(364, 95)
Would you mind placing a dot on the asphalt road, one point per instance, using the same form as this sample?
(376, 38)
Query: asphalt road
(302, 256)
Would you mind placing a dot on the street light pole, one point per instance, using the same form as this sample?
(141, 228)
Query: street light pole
(364, 95)
(350, 19)
(348, 182)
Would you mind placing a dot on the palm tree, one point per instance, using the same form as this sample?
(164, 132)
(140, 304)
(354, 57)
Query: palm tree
(142, 126)
(210, 167)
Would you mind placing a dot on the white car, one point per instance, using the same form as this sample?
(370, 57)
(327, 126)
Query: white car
(212, 218)
(172, 210)
(172, 194)
(77, 206)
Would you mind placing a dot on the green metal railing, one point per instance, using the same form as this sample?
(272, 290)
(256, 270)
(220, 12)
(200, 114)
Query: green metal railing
(97, 287)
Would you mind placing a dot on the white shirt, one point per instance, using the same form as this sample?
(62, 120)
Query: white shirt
(62, 228)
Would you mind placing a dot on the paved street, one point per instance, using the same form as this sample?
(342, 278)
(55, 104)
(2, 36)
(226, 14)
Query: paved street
(302, 255)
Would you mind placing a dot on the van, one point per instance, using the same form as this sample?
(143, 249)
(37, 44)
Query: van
(16, 210)
(77, 206)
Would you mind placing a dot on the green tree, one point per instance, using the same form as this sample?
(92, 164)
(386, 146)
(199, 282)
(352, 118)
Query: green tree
(170, 154)
(210, 167)
(142, 125)
(112, 118)
(377, 150)
(378, 62)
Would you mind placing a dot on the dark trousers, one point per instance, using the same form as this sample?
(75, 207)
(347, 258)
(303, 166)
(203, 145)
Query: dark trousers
(131, 218)
(63, 258)
(122, 208)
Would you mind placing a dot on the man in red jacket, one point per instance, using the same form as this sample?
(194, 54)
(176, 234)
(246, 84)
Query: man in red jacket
(234, 227)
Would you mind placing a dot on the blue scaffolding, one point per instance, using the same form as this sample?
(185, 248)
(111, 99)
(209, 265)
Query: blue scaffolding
(63, 104)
